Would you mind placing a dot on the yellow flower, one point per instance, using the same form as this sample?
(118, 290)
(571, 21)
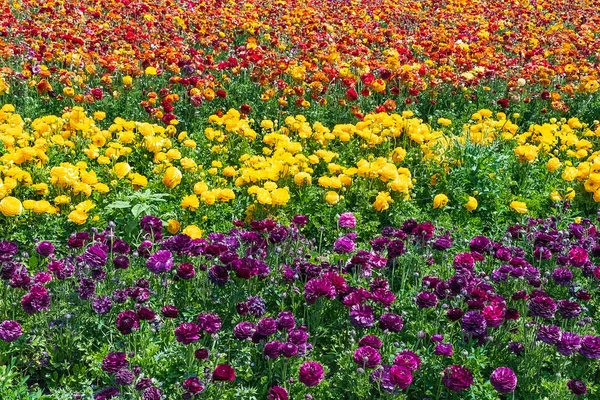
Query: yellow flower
(208, 197)
(62, 200)
(226, 195)
(332, 197)
(382, 201)
(173, 226)
(138, 180)
(519, 207)
(280, 196)
(127, 80)
(10, 206)
(200, 188)
(471, 204)
(99, 115)
(172, 177)
(78, 217)
(553, 164)
(150, 71)
(444, 121)
(440, 201)
(85, 206)
(122, 169)
(193, 232)
(190, 202)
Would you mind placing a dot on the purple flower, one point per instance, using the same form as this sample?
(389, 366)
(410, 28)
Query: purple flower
(201, 354)
(36, 300)
(159, 262)
(344, 245)
(95, 256)
(367, 357)
(289, 350)
(277, 393)
(372, 341)
(124, 377)
(218, 275)
(391, 322)
(549, 334)
(400, 376)
(145, 314)
(426, 300)
(316, 288)
(267, 326)
(169, 311)
(152, 226)
(121, 262)
(101, 305)
(464, 262)
(127, 322)
(272, 349)
(408, 359)
(516, 348)
(474, 324)
(568, 309)
(494, 314)
(480, 244)
(185, 271)
(454, 314)
(443, 243)
(285, 321)
(152, 393)
(256, 306)
(568, 344)
(300, 220)
(8, 250)
(562, 276)
(193, 385)
(187, 333)
(504, 380)
(590, 346)
(381, 376)
(457, 378)
(347, 221)
(577, 387)
(395, 248)
(10, 330)
(114, 362)
(311, 373)
(578, 257)
(542, 306)
(361, 316)
(297, 336)
(107, 393)
(223, 372)
(244, 330)
(44, 249)
(444, 350)
(210, 323)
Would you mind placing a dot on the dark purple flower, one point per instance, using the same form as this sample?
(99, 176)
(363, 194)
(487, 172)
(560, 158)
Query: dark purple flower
(395, 248)
(300, 220)
(454, 314)
(95, 256)
(8, 250)
(145, 314)
(185, 271)
(277, 393)
(256, 306)
(10, 330)
(218, 275)
(114, 362)
(285, 321)
(210, 323)
(36, 300)
(223, 372)
(316, 288)
(152, 226)
(590, 347)
(400, 376)
(549, 334)
(170, 311)
(297, 336)
(443, 243)
(426, 300)
(272, 349)
(152, 393)
(344, 245)
(311, 373)
(143, 384)
(457, 378)
(201, 354)
(121, 262)
(444, 350)
(568, 309)
(267, 326)
(102, 305)
(193, 385)
(474, 324)
(542, 306)
(577, 387)
(568, 344)
(367, 357)
(127, 322)
(44, 249)
(504, 380)
(244, 330)
(347, 220)
(464, 262)
(578, 257)
(516, 348)
(391, 322)
(408, 359)
(289, 350)
(381, 377)
(107, 393)
(361, 316)
(372, 341)
(480, 244)
(187, 333)
(562, 276)
(159, 262)
(124, 377)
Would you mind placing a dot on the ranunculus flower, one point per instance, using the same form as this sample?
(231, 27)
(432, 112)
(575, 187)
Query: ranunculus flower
(311, 373)
(367, 357)
(457, 378)
(504, 380)
(223, 372)
(159, 262)
(10, 330)
(187, 333)
(347, 220)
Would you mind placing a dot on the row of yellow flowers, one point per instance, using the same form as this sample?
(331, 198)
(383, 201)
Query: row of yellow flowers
(56, 164)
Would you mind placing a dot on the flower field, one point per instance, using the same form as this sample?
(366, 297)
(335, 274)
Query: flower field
(329, 199)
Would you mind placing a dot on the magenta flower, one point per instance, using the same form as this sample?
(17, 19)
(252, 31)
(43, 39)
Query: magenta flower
(10, 331)
(504, 380)
(187, 333)
(347, 221)
(311, 373)
(457, 378)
